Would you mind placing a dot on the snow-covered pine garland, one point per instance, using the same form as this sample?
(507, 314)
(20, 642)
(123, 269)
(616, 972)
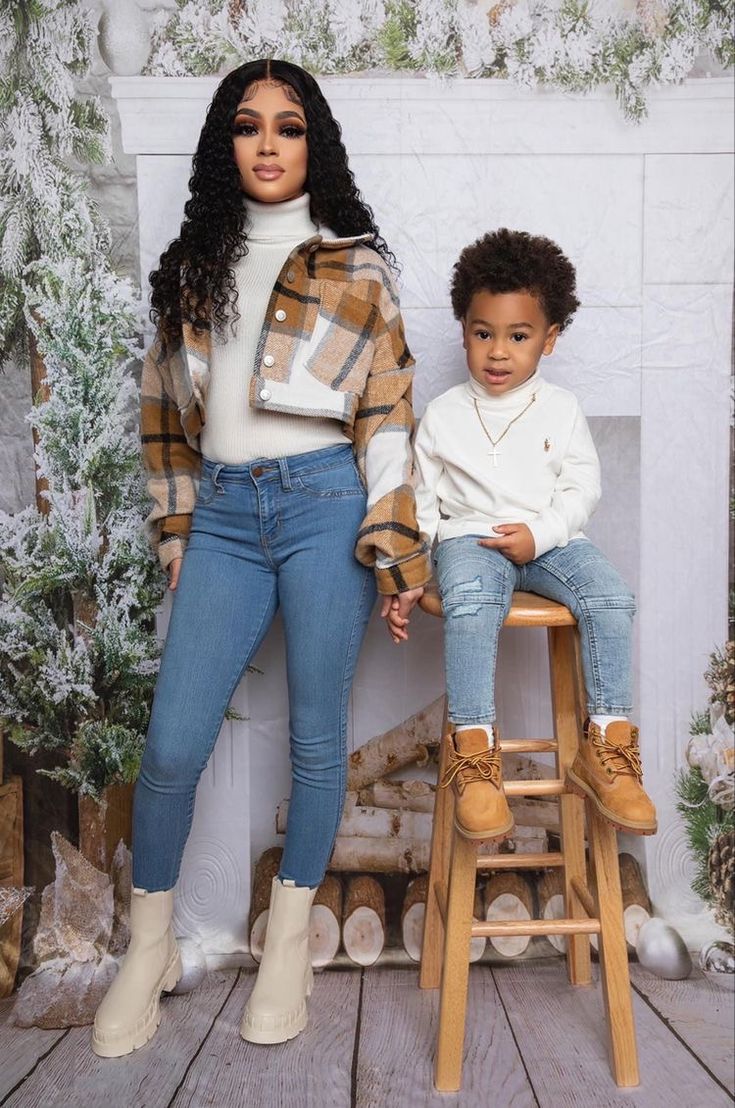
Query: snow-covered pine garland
(45, 211)
(575, 45)
(78, 586)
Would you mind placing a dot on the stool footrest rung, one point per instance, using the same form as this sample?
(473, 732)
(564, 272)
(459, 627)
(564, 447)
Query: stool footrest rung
(527, 746)
(554, 786)
(495, 929)
(519, 861)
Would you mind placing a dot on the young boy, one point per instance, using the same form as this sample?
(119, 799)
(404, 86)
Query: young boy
(508, 476)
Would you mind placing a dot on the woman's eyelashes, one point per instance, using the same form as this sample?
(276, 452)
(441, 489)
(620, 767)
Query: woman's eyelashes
(249, 130)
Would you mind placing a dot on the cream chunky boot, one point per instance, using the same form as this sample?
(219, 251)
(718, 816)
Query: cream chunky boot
(129, 1014)
(276, 1010)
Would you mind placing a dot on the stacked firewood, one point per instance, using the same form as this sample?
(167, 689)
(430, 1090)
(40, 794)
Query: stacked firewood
(386, 832)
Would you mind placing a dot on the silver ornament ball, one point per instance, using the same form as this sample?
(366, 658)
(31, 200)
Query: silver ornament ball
(194, 965)
(718, 957)
(662, 950)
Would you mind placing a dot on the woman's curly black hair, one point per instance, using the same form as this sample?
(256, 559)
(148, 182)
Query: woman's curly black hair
(197, 266)
(512, 261)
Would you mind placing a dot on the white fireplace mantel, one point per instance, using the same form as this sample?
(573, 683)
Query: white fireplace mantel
(646, 213)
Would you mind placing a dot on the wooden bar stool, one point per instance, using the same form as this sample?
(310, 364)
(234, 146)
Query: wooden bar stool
(449, 925)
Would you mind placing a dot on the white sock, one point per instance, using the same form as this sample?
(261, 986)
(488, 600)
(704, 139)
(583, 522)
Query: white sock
(602, 721)
(487, 728)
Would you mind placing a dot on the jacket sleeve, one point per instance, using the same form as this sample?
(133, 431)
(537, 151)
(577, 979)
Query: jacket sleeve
(172, 466)
(389, 539)
(576, 492)
(428, 471)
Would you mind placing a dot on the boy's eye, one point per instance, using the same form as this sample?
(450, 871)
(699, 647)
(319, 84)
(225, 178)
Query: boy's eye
(519, 336)
(482, 335)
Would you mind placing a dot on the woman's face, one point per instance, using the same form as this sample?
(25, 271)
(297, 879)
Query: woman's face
(269, 139)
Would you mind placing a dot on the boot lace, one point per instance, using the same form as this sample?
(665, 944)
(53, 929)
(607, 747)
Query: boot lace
(620, 758)
(482, 766)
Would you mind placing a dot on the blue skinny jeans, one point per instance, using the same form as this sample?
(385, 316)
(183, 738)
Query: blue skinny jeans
(268, 534)
(477, 585)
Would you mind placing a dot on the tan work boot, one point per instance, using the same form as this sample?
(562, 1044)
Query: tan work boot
(608, 770)
(130, 1014)
(481, 810)
(276, 1009)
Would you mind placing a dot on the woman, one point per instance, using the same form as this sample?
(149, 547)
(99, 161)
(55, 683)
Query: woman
(276, 419)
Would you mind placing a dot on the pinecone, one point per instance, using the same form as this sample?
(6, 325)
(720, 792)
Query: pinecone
(721, 869)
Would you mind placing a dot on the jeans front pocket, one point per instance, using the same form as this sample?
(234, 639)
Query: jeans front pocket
(335, 481)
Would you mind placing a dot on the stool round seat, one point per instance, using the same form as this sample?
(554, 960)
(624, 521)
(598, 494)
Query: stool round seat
(527, 610)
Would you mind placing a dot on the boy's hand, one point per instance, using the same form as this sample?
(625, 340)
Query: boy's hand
(395, 610)
(174, 570)
(515, 542)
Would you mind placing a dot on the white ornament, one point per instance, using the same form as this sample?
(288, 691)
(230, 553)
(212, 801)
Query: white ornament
(194, 965)
(717, 957)
(661, 950)
(124, 39)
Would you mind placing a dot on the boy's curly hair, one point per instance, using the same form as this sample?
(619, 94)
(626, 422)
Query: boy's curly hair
(511, 261)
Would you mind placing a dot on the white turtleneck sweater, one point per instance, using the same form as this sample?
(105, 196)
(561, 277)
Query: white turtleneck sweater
(547, 473)
(234, 432)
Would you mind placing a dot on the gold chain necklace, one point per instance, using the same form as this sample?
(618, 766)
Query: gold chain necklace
(495, 442)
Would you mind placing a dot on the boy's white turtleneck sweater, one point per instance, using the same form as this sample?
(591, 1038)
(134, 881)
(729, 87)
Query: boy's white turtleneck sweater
(234, 432)
(547, 474)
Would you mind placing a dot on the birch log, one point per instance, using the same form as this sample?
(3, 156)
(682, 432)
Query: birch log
(324, 922)
(364, 855)
(266, 869)
(412, 916)
(401, 746)
(508, 897)
(414, 796)
(373, 823)
(363, 929)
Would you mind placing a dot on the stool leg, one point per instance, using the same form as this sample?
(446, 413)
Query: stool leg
(565, 699)
(613, 951)
(441, 842)
(456, 968)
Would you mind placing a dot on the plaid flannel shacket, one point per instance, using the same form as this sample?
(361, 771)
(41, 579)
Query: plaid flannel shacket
(332, 344)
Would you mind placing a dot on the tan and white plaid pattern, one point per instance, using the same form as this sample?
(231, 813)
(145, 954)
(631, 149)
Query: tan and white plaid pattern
(332, 345)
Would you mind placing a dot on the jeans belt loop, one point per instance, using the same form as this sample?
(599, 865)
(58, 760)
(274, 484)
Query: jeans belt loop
(215, 478)
(285, 475)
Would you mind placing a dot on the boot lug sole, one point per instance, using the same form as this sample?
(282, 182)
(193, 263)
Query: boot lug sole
(126, 1044)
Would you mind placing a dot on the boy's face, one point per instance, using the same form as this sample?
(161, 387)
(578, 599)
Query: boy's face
(505, 334)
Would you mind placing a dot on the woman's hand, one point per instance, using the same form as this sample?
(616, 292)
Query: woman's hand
(174, 570)
(396, 610)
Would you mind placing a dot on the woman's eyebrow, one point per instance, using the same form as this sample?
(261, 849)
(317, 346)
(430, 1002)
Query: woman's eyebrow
(279, 115)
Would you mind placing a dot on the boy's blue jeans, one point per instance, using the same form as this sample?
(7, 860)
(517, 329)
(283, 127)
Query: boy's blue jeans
(477, 585)
(268, 534)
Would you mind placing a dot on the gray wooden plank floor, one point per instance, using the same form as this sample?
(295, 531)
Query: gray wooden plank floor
(531, 1040)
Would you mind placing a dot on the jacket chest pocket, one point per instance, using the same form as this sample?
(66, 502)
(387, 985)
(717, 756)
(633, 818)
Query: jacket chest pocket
(340, 350)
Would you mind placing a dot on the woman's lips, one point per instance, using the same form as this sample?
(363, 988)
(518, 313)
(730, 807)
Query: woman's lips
(268, 172)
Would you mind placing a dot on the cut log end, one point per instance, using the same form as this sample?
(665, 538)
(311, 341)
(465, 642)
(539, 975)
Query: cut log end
(508, 897)
(323, 935)
(363, 936)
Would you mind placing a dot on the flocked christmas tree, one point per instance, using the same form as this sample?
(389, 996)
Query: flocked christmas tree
(78, 651)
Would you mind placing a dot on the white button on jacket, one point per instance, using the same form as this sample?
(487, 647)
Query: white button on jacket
(280, 315)
(265, 394)
(268, 360)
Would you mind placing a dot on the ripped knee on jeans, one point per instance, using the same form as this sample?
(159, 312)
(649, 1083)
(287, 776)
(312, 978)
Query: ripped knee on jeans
(465, 598)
